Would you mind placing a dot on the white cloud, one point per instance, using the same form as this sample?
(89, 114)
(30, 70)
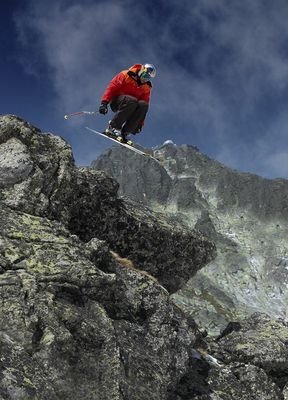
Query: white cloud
(73, 41)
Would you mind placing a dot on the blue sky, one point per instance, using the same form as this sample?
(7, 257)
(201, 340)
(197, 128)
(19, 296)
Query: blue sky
(222, 72)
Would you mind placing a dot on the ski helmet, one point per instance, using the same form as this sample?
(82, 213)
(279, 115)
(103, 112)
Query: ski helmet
(147, 72)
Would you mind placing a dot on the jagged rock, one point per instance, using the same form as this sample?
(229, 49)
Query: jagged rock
(260, 341)
(244, 214)
(240, 382)
(159, 245)
(234, 381)
(87, 333)
(86, 201)
(36, 169)
(252, 361)
(47, 315)
(78, 321)
(249, 362)
(81, 321)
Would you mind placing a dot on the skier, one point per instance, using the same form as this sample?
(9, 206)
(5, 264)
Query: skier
(128, 95)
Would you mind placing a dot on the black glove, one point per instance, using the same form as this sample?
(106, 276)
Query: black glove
(103, 108)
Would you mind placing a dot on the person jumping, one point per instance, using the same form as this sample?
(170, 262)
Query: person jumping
(128, 95)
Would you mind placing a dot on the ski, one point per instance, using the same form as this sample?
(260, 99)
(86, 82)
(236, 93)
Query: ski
(138, 151)
(66, 116)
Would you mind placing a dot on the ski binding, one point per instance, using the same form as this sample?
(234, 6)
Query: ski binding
(138, 151)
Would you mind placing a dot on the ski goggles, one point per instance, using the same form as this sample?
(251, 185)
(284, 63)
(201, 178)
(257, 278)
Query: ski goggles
(147, 73)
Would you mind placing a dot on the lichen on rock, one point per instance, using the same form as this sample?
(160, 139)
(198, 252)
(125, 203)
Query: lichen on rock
(86, 278)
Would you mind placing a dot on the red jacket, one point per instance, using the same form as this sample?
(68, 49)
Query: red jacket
(126, 82)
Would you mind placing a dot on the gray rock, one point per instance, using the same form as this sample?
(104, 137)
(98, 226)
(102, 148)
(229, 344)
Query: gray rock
(251, 361)
(152, 183)
(87, 203)
(260, 341)
(15, 162)
(37, 169)
(158, 245)
(79, 320)
(246, 217)
(241, 381)
(86, 333)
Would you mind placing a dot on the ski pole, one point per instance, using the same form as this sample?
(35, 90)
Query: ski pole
(66, 116)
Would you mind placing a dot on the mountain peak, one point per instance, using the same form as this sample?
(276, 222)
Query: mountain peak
(244, 214)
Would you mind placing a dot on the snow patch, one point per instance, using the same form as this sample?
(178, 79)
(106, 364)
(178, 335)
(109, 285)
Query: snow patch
(168, 142)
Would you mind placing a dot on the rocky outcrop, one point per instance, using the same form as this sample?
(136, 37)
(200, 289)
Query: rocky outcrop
(36, 170)
(256, 350)
(167, 249)
(85, 310)
(248, 361)
(46, 183)
(244, 214)
(77, 320)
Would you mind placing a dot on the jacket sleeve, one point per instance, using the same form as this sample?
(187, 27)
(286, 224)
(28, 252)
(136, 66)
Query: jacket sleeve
(113, 88)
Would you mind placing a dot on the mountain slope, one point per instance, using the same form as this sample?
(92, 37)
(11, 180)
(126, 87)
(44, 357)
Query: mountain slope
(244, 214)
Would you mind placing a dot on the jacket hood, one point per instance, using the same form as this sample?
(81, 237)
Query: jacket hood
(135, 68)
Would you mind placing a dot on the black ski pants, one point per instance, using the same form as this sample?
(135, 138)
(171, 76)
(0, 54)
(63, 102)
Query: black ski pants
(129, 113)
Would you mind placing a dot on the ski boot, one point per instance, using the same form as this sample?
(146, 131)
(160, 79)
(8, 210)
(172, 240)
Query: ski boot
(112, 132)
(123, 139)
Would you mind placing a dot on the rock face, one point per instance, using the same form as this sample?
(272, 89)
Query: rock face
(78, 321)
(86, 279)
(166, 249)
(255, 350)
(82, 330)
(44, 182)
(243, 214)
